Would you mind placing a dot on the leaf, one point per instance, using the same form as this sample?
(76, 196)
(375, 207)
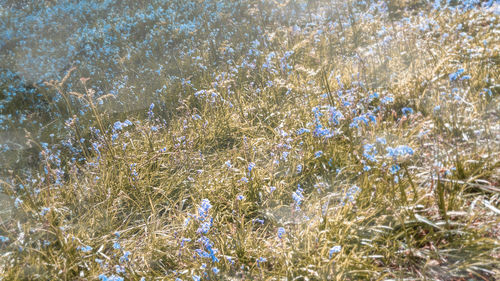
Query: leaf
(426, 221)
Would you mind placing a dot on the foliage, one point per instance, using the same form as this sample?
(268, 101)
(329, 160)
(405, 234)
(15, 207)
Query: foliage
(308, 140)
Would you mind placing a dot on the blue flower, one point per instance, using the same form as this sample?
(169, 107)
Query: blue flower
(124, 257)
(454, 76)
(281, 231)
(334, 249)
(351, 192)
(44, 211)
(261, 221)
(285, 155)
(395, 169)
(18, 202)
(250, 167)
(84, 249)
(205, 227)
(299, 169)
(117, 126)
(386, 100)
(407, 110)
(204, 208)
(298, 197)
(113, 277)
(401, 150)
(302, 131)
(318, 153)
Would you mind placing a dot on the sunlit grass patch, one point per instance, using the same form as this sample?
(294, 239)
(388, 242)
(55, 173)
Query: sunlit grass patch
(325, 141)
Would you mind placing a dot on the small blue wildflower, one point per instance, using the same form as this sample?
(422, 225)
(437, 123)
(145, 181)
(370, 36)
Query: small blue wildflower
(84, 249)
(18, 202)
(250, 167)
(228, 163)
(298, 197)
(395, 169)
(357, 120)
(240, 197)
(281, 231)
(124, 257)
(44, 211)
(299, 169)
(401, 150)
(351, 192)
(454, 76)
(205, 227)
(370, 150)
(244, 179)
(261, 259)
(386, 100)
(318, 153)
(215, 270)
(285, 155)
(117, 126)
(116, 245)
(186, 221)
(119, 269)
(196, 278)
(381, 140)
(334, 250)
(335, 116)
(374, 96)
(4, 239)
(113, 277)
(302, 131)
(202, 254)
(407, 110)
(261, 221)
(150, 112)
(204, 208)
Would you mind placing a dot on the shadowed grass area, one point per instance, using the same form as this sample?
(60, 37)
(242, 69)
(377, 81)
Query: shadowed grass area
(363, 149)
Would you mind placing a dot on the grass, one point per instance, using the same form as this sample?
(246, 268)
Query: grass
(201, 188)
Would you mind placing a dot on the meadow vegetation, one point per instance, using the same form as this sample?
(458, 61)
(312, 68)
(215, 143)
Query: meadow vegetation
(250, 140)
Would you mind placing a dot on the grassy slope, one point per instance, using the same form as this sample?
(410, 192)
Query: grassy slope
(437, 220)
